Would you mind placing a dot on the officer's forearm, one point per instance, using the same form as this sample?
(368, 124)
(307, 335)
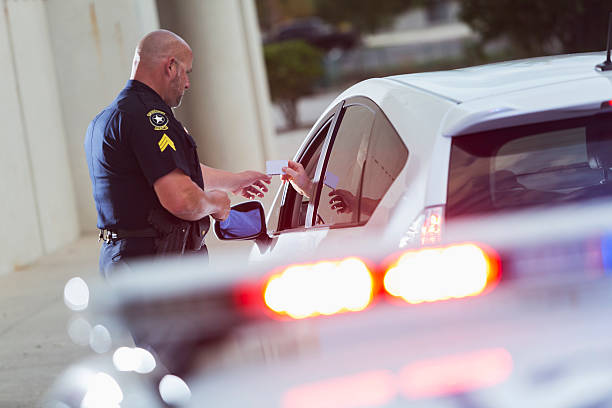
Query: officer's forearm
(195, 204)
(216, 179)
(183, 198)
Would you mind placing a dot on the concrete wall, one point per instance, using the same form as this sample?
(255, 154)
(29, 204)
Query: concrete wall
(40, 209)
(227, 109)
(19, 218)
(93, 43)
(63, 61)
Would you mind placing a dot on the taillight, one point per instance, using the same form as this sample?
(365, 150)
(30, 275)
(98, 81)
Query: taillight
(426, 229)
(431, 230)
(321, 288)
(433, 274)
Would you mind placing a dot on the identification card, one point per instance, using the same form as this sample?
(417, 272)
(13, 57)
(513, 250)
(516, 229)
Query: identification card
(276, 166)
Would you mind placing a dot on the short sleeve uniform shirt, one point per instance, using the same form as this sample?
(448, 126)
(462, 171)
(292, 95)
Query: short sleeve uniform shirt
(129, 145)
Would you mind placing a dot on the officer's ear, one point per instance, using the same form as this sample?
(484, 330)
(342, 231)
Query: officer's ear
(170, 66)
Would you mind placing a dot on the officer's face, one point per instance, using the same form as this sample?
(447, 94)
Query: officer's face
(180, 83)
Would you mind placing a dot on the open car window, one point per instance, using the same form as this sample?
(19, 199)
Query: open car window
(290, 212)
(364, 156)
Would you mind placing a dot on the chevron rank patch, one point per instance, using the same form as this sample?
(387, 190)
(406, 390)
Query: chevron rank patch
(158, 119)
(164, 142)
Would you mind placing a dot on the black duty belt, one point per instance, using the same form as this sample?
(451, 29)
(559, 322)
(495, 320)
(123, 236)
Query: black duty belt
(115, 234)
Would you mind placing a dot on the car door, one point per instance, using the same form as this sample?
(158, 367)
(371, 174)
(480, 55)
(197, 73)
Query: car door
(352, 159)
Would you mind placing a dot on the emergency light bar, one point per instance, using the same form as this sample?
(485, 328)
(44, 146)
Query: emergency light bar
(347, 285)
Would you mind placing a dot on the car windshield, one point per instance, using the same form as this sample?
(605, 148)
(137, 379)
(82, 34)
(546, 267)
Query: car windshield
(533, 165)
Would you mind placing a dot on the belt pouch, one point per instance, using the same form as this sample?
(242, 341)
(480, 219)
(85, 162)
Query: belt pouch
(173, 232)
(198, 232)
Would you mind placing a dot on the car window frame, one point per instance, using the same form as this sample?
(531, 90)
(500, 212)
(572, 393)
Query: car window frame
(328, 144)
(314, 204)
(334, 120)
(289, 195)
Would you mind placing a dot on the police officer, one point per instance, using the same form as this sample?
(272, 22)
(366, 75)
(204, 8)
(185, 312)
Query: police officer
(152, 194)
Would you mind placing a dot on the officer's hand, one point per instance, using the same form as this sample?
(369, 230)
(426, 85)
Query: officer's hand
(222, 202)
(250, 184)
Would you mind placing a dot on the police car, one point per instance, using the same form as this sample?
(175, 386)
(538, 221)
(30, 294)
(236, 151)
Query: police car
(538, 338)
(518, 321)
(403, 155)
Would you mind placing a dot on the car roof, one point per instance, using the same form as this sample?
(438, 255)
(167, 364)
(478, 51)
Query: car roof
(495, 95)
(467, 84)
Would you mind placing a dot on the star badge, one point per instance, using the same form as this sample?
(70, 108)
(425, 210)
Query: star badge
(158, 119)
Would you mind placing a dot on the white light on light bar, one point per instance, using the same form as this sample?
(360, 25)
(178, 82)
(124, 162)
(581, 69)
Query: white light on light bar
(323, 288)
(433, 274)
(134, 359)
(102, 391)
(76, 294)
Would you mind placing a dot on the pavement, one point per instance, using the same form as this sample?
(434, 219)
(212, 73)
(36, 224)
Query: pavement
(35, 346)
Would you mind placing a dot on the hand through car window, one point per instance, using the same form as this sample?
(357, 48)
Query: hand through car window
(296, 175)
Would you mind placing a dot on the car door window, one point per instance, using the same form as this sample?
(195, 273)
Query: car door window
(386, 157)
(365, 155)
(341, 180)
(298, 216)
(290, 212)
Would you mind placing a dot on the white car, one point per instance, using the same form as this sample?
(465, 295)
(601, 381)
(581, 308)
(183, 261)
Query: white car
(402, 155)
(423, 152)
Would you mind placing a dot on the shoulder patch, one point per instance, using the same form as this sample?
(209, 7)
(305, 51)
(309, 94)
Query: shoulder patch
(164, 142)
(158, 119)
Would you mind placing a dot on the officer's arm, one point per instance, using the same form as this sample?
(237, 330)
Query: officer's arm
(249, 183)
(183, 198)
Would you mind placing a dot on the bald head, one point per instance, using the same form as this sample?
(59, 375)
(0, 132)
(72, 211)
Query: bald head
(158, 45)
(161, 57)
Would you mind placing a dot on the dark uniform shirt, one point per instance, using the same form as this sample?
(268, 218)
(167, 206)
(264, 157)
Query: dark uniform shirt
(129, 145)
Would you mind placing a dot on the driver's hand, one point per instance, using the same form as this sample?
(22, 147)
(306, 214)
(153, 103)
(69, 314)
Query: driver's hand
(296, 175)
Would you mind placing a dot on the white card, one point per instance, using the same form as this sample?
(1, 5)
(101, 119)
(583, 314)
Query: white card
(331, 180)
(276, 166)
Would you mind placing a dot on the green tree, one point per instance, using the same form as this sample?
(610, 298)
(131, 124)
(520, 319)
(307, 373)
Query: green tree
(272, 12)
(364, 15)
(539, 27)
(293, 68)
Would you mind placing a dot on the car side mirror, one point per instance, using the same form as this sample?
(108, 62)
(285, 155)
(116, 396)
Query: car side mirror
(245, 221)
